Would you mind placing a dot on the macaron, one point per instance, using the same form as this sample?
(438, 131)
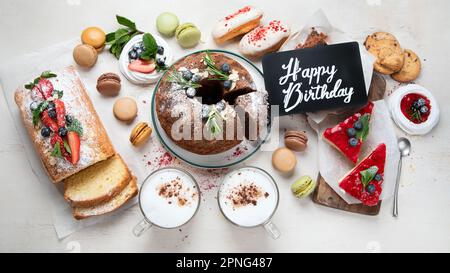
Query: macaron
(167, 23)
(85, 55)
(125, 109)
(284, 160)
(108, 84)
(95, 37)
(188, 35)
(303, 186)
(295, 140)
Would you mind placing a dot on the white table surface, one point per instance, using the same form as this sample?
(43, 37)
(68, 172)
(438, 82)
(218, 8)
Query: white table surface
(424, 222)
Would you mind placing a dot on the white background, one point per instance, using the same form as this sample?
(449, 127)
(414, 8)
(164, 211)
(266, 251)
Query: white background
(424, 222)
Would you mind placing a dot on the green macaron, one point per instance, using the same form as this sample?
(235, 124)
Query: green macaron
(188, 35)
(303, 187)
(167, 23)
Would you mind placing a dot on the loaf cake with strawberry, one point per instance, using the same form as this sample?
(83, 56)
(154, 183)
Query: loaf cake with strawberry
(62, 123)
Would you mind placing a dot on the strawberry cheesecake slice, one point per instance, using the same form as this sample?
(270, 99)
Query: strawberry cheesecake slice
(364, 181)
(349, 135)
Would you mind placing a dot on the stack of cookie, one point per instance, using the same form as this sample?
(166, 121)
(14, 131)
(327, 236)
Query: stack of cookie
(403, 65)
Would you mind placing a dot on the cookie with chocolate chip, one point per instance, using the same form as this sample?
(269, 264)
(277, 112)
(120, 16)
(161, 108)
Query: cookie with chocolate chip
(386, 48)
(410, 70)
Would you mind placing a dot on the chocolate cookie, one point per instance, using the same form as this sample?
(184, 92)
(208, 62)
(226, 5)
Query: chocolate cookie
(385, 47)
(410, 70)
(108, 84)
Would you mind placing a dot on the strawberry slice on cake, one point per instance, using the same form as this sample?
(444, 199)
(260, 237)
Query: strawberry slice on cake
(364, 181)
(349, 135)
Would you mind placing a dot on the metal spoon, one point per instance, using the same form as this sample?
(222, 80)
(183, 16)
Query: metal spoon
(404, 147)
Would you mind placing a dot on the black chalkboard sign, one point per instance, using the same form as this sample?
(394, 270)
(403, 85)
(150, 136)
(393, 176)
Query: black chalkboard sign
(313, 79)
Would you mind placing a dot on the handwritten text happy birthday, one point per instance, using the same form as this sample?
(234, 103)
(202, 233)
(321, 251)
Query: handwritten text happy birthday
(316, 91)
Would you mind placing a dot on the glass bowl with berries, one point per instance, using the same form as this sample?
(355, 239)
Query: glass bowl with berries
(414, 109)
(145, 58)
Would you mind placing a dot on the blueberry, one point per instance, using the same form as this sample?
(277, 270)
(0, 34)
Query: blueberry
(424, 109)
(227, 84)
(226, 68)
(370, 188)
(139, 52)
(351, 132)
(34, 105)
(416, 105)
(220, 106)
(45, 132)
(69, 119)
(132, 55)
(421, 102)
(51, 105)
(378, 177)
(62, 131)
(196, 78)
(141, 46)
(161, 61)
(205, 111)
(353, 142)
(137, 46)
(187, 75)
(52, 113)
(190, 92)
(358, 125)
(160, 50)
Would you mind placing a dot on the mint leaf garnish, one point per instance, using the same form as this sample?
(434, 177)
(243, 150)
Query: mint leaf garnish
(125, 22)
(56, 150)
(48, 74)
(368, 175)
(59, 93)
(119, 38)
(364, 132)
(67, 147)
(213, 69)
(151, 48)
(37, 112)
(75, 126)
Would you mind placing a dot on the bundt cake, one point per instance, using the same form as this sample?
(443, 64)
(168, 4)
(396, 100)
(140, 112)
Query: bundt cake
(206, 101)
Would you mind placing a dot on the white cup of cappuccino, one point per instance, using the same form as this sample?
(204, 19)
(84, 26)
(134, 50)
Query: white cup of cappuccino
(168, 199)
(248, 197)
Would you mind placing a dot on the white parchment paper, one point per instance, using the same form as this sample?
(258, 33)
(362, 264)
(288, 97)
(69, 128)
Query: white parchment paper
(320, 22)
(23, 69)
(333, 165)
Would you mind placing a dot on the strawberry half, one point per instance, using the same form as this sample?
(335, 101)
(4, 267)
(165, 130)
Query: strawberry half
(142, 66)
(49, 122)
(74, 143)
(45, 87)
(60, 113)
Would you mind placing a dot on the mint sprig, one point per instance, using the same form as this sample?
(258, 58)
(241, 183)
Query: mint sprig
(118, 39)
(45, 75)
(75, 126)
(368, 175)
(364, 132)
(151, 48)
(56, 150)
(36, 113)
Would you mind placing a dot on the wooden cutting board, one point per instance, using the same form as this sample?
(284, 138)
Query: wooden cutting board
(324, 194)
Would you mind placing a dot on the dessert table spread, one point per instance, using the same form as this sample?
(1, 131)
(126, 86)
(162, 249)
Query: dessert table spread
(27, 221)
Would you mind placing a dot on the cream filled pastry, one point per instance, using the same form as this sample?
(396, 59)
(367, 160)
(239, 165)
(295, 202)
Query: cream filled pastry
(237, 23)
(264, 39)
(414, 109)
(139, 71)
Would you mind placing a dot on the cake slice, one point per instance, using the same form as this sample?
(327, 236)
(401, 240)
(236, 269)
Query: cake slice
(349, 135)
(116, 202)
(364, 181)
(98, 183)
